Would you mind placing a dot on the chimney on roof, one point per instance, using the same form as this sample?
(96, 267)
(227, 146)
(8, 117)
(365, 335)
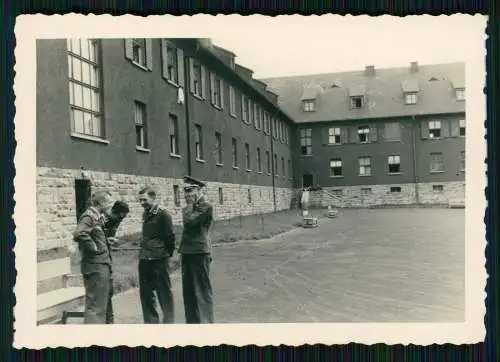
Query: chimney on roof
(206, 42)
(414, 67)
(370, 70)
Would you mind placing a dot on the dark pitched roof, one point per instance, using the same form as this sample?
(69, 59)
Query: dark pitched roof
(383, 92)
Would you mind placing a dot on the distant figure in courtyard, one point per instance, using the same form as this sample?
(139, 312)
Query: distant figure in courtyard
(156, 248)
(96, 258)
(119, 211)
(196, 250)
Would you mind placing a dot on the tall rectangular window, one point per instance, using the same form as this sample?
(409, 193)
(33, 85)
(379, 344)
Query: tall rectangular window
(232, 101)
(305, 141)
(434, 129)
(140, 124)
(336, 167)
(245, 109)
(268, 162)
(334, 135)
(198, 142)
(394, 163)
(276, 171)
(197, 82)
(247, 156)
(289, 168)
(234, 144)
(139, 51)
(259, 161)
(462, 160)
(216, 91)
(283, 166)
(172, 64)
(363, 134)
(365, 166)
(436, 162)
(174, 135)
(85, 87)
(218, 148)
(462, 127)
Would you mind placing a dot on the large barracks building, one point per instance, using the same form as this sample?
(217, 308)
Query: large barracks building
(123, 113)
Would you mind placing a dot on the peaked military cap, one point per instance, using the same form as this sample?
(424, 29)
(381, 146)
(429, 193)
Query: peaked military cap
(191, 182)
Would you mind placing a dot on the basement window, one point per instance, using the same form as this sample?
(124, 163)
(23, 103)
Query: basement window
(366, 190)
(395, 189)
(437, 188)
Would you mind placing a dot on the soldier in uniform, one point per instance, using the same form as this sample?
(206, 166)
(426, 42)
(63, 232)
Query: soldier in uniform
(96, 258)
(157, 246)
(119, 211)
(195, 250)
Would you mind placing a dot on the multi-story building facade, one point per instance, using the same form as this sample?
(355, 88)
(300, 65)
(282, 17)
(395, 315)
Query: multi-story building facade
(125, 113)
(380, 136)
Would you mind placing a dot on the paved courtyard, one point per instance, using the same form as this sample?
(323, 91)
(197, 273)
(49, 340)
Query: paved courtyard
(388, 265)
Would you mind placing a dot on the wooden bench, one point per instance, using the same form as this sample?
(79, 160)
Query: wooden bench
(57, 300)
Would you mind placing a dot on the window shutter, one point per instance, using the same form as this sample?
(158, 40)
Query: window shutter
(382, 132)
(353, 134)
(222, 93)
(129, 53)
(424, 129)
(455, 128)
(203, 82)
(373, 133)
(445, 128)
(149, 53)
(212, 88)
(397, 131)
(164, 58)
(243, 114)
(324, 135)
(180, 66)
(344, 132)
(191, 75)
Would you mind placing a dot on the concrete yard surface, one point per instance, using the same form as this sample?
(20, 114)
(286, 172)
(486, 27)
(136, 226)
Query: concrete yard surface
(383, 265)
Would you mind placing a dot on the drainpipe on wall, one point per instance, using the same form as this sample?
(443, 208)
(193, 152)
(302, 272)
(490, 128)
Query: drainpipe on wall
(187, 88)
(272, 164)
(415, 176)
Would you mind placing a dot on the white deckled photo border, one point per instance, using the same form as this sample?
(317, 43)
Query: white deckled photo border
(27, 334)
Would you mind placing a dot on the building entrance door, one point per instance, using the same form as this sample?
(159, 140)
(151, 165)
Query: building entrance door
(307, 180)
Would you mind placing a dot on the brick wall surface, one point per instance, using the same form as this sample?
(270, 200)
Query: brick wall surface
(56, 205)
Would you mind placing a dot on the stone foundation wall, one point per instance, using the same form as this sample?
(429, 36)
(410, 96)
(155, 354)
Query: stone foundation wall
(56, 203)
(374, 195)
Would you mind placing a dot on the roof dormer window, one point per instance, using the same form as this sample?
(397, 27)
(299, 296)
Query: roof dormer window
(357, 96)
(357, 102)
(460, 94)
(411, 98)
(410, 88)
(309, 105)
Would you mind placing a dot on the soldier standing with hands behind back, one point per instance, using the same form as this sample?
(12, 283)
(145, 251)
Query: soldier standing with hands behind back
(195, 250)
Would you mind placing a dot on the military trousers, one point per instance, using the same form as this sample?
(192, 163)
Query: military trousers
(98, 293)
(154, 276)
(197, 288)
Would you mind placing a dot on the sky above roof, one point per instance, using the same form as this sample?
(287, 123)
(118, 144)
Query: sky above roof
(296, 45)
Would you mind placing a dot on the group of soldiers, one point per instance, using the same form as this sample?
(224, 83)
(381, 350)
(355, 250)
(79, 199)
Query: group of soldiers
(95, 235)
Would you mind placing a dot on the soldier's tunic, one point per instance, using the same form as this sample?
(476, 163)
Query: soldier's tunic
(111, 224)
(157, 246)
(196, 248)
(95, 266)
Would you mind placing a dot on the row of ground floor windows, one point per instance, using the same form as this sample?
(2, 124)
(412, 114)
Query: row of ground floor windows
(393, 166)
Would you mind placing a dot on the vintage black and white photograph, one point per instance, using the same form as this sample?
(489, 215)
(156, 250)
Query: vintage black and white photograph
(323, 172)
